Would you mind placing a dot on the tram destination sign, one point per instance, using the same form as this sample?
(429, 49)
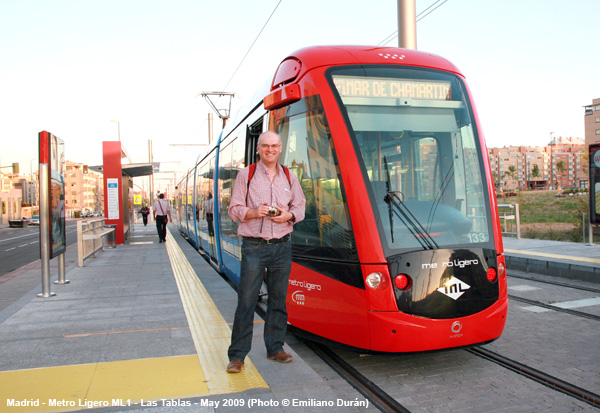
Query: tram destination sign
(373, 87)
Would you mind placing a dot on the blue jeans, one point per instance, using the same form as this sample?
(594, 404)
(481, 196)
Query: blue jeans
(277, 259)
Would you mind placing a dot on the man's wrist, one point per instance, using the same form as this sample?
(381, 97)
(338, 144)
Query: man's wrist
(292, 219)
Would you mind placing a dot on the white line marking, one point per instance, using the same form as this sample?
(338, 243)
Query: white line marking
(523, 288)
(536, 309)
(587, 302)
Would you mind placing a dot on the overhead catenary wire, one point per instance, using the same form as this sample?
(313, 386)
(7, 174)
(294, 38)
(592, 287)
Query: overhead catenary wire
(252, 45)
(419, 17)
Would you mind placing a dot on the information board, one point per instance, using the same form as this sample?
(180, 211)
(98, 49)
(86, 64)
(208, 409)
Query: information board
(112, 196)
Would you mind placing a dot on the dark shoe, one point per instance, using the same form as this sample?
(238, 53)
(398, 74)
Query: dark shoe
(235, 366)
(160, 241)
(281, 357)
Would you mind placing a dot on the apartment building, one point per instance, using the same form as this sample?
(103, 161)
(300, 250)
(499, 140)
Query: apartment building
(84, 189)
(592, 123)
(563, 163)
(11, 199)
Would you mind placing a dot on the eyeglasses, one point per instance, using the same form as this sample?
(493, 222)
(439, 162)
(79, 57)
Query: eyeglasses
(267, 146)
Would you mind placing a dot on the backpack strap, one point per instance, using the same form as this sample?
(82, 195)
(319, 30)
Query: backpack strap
(287, 174)
(250, 176)
(251, 171)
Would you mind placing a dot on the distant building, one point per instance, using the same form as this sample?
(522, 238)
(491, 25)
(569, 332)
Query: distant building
(11, 198)
(84, 189)
(28, 188)
(592, 123)
(563, 163)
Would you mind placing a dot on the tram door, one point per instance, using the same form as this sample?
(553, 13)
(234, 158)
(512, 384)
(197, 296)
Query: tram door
(252, 134)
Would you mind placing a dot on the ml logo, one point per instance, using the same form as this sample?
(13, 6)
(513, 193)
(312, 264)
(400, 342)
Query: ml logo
(454, 288)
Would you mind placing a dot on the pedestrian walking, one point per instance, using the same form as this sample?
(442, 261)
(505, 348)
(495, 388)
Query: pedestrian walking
(162, 214)
(145, 211)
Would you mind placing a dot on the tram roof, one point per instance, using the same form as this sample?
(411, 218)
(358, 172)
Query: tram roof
(316, 56)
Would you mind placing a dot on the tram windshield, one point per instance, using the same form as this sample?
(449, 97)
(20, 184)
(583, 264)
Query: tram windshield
(415, 134)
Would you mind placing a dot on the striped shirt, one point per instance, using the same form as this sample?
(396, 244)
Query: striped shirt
(279, 193)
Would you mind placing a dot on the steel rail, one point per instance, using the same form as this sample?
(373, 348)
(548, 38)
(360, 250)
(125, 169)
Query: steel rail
(561, 284)
(543, 378)
(554, 308)
(367, 388)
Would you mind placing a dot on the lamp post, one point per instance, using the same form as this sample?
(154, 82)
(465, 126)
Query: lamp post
(118, 128)
(527, 174)
(551, 162)
(32, 188)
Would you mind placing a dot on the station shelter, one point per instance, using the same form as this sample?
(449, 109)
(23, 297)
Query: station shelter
(118, 181)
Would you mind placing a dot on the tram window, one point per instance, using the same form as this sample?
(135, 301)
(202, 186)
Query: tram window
(308, 152)
(225, 188)
(415, 134)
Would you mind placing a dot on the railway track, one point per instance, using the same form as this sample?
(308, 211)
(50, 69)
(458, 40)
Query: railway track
(558, 283)
(367, 388)
(554, 308)
(538, 376)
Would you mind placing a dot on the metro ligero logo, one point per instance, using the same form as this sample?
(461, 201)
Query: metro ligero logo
(454, 288)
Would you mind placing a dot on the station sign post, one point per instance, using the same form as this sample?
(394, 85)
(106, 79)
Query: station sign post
(53, 240)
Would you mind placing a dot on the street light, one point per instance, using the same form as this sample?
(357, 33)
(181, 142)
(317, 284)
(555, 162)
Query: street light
(32, 187)
(118, 128)
(551, 162)
(527, 166)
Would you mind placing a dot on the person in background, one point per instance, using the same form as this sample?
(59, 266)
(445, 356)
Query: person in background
(208, 214)
(267, 207)
(160, 209)
(145, 211)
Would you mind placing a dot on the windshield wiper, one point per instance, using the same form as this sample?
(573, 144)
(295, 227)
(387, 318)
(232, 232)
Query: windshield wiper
(402, 211)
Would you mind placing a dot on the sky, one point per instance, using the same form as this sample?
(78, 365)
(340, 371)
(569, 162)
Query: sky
(74, 67)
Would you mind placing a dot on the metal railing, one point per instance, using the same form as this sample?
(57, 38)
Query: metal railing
(90, 234)
(509, 219)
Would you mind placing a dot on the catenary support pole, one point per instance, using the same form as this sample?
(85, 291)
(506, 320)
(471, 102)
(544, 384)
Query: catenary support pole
(407, 24)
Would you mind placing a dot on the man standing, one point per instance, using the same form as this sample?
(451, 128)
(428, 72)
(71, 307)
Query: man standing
(160, 209)
(267, 204)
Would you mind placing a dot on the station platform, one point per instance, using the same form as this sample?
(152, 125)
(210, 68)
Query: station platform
(146, 326)
(572, 260)
(143, 327)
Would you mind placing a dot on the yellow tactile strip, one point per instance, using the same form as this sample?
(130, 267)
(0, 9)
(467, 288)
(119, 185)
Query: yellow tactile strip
(119, 383)
(209, 330)
(548, 255)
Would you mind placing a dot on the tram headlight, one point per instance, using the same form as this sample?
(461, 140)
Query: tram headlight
(501, 269)
(374, 279)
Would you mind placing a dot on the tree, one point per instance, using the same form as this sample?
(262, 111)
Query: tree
(535, 171)
(511, 173)
(561, 167)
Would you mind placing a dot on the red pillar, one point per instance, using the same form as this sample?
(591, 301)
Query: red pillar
(113, 187)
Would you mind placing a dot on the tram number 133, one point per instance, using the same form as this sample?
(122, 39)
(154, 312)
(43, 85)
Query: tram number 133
(477, 237)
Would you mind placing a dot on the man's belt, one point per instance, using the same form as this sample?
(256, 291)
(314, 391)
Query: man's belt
(285, 238)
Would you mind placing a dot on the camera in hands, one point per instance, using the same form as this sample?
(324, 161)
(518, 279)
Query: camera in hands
(273, 212)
